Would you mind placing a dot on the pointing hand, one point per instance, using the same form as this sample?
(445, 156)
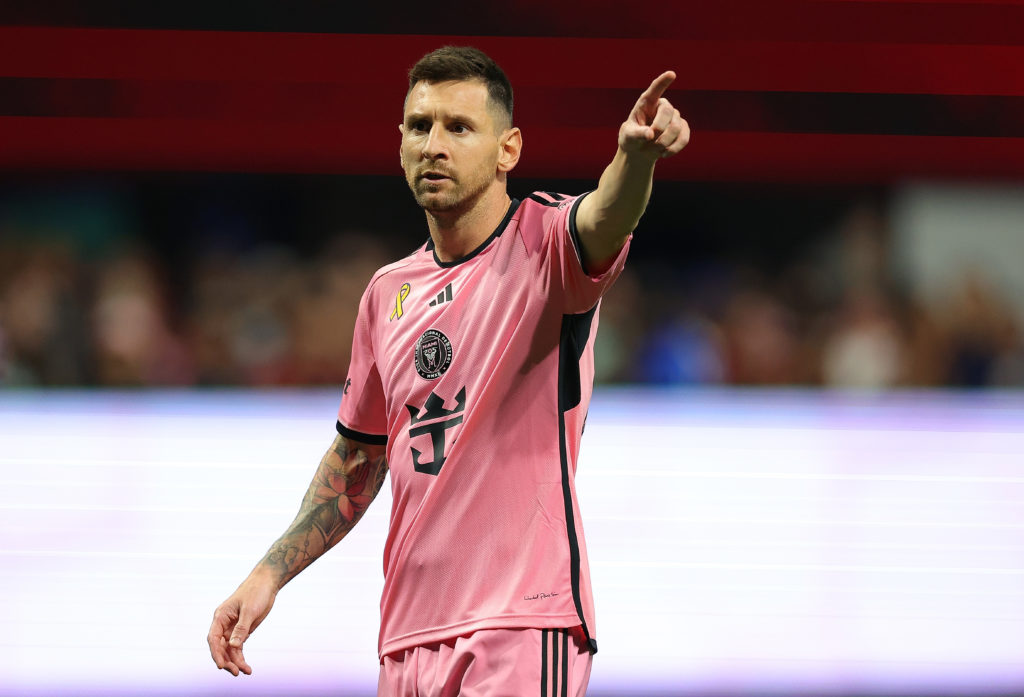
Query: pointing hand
(654, 127)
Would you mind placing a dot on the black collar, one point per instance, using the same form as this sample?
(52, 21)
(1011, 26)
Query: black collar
(483, 245)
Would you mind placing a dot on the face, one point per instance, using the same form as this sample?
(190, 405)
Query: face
(450, 144)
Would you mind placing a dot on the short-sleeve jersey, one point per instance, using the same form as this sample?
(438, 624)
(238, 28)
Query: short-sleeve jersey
(477, 375)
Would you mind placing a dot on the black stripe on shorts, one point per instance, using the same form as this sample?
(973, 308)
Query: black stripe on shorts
(550, 664)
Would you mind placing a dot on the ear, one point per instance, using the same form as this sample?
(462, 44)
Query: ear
(401, 159)
(511, 145)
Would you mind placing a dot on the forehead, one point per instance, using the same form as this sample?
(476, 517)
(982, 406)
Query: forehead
(464, 97)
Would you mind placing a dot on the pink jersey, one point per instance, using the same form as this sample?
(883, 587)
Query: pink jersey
(477, 374)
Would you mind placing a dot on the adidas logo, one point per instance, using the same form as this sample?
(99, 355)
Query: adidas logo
(445, 296)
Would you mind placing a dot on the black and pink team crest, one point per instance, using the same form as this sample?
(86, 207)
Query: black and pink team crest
(433, 354)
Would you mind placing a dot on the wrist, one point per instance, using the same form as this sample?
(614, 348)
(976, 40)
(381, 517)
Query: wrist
(268, 575)
(638, 157)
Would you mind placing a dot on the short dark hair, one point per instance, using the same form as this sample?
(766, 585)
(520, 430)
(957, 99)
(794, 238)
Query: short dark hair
(465, 63)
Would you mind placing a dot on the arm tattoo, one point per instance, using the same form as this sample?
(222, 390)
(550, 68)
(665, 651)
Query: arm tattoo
(342, 489)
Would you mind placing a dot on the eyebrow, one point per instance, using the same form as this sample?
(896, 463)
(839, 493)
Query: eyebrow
(413, 116)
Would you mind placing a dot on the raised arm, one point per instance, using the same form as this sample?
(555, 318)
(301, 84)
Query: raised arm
(606, 217)
(347, 480)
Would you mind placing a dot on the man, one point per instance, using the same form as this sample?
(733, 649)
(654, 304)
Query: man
(470, 378)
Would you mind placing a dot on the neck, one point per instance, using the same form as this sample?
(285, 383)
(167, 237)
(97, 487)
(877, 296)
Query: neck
(457, 233)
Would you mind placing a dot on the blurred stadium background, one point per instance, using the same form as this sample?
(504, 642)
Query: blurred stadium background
(821, 328)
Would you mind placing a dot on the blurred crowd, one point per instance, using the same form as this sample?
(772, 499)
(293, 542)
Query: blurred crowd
(836, 314)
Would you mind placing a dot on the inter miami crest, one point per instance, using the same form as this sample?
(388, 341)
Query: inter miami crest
(433, 354)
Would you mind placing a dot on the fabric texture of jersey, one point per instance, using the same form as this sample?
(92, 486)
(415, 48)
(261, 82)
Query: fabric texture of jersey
(477, 374)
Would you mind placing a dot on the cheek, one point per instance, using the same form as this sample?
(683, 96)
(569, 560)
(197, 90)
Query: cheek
(485, 157)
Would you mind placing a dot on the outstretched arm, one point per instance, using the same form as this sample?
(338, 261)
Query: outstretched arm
(347, 480)
(607, 216)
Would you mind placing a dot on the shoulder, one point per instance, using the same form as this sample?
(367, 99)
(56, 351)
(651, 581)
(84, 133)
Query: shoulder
(543, 212)
(403, 264)
(545, 201)
(383, 278)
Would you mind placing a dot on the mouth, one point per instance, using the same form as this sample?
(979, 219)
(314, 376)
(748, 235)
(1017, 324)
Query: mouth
(434, 176)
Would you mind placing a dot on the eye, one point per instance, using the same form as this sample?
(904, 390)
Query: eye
(420, 126)
(459, 128)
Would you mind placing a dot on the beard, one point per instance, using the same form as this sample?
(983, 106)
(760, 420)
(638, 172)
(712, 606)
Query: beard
(448, 195)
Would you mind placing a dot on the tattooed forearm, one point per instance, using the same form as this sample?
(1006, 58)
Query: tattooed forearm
(347, 480)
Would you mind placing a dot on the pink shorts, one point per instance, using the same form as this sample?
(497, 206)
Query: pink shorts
(491, 663)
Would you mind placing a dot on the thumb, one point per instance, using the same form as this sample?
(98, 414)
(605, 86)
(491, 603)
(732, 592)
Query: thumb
(238, 635)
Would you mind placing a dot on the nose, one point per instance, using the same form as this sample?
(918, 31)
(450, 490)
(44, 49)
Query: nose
(436, 145)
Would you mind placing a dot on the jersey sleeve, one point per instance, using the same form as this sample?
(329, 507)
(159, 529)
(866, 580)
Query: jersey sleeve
(362, 415)
(581, 289)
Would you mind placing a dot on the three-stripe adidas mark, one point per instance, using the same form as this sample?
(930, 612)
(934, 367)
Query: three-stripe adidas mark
(445, 296)
(554, 666)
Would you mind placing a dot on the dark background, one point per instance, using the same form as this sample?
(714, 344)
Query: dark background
(166, 136)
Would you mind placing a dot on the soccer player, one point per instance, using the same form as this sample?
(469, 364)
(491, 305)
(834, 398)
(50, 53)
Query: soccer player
(470, 378)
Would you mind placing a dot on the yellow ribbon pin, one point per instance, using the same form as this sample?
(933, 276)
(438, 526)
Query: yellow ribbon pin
(403, 293)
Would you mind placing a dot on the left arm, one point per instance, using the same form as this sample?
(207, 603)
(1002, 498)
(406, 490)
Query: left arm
(607, 216)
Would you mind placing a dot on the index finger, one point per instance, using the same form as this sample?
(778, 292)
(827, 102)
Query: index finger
(218, 641)
(653, 93)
